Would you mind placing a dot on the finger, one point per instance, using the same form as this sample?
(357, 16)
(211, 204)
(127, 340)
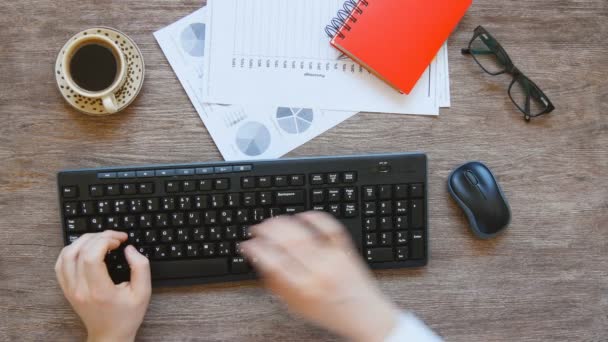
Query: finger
(91, 260)
(140, 272)
(326, 226)
(272, 263)
(68, 261)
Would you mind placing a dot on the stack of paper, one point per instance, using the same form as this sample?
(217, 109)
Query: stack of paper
(262, 90)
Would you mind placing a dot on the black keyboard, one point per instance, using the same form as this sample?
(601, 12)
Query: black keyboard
(190, 219)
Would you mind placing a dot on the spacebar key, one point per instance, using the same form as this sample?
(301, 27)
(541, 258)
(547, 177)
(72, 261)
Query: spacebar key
(189, 268)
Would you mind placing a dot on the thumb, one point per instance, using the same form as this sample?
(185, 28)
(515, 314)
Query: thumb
(140, 271)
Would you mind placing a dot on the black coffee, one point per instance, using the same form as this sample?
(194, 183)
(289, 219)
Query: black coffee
(93, 67)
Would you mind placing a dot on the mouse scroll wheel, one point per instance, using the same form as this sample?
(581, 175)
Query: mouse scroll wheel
(471, 177)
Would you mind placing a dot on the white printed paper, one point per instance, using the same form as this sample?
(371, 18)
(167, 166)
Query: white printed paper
(257, 131)
(276, 51)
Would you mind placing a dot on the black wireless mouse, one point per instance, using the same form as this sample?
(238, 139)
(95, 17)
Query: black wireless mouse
(477, 192)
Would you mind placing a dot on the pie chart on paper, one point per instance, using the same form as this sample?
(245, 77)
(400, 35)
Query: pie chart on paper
(193, 39)
(295, 120)
(253, 138)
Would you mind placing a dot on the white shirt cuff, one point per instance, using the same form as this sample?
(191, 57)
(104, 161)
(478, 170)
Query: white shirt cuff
(410, 328)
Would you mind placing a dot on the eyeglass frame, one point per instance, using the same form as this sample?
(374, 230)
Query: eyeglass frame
(510, 68)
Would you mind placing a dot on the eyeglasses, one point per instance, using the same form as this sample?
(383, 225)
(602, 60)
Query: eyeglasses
(493, 59)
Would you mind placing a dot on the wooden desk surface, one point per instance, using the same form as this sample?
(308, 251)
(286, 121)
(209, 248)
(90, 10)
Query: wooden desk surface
(545, 279)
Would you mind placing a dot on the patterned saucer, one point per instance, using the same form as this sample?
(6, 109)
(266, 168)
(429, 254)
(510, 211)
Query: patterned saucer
(126, 94)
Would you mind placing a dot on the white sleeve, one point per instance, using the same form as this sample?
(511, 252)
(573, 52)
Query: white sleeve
(410, 328)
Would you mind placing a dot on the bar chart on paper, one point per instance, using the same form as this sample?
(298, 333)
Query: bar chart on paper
(279, 31)
(277, 51)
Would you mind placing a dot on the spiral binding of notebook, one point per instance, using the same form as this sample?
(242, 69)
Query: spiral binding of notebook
(345, 18)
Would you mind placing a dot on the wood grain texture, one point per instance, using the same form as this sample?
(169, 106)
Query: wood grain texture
(545, 279)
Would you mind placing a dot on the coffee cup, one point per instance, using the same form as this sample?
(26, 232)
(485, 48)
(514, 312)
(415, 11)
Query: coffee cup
(95, 67)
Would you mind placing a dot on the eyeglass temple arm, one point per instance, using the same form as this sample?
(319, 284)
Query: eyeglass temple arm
(477, 52)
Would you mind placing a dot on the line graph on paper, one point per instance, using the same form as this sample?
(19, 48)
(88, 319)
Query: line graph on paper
(279, 34)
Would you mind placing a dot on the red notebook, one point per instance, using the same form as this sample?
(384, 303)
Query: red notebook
(396, 39)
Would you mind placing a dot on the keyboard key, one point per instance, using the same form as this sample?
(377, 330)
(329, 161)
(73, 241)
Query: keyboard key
(96, 224)
(334, 209)
(164, 173)
(160, 252)
(221, 184)
(417, 214)
(297, 209)
(192, 250)
(386, 239)
(184, 203)
(264, 182)
(218, 201)
(242, 215)
(247, 182)
(103, 207)
(349, 177)
(369, 208)
(416, 190)
(238, 265)
(87, 208)
(289, 197)
(70, 209)
(188, 186)
(77, 225)
(350, 194)
(129, 189)
(222, 169)
(231, 233)
(167, 203)
(112, 190)
(178, 219)
(172, 187)
(400, 191)
(401, 253)
(176, 251)
(296, 180)
(417, 245)
(96, 190)
(126, 174)
(242, 168)
(205, 185)
(349, 210)
(204, 170)
(386, 208)
(194, 218)
(70, 192)
(379, 254)
(333, 195)
(265, 198)
(369, 193)
(370, 224)
(208, 249)
(401, 222)
(189, 268)
(223, 249)
(233, 200)
(166, 235)
(135, 237)
(385, 192)
(145, 221)
(317, 179)
(280, 181)
(106, 175)
(249, 199)
(184, 172)
(333, 178)
(318, 195)
(151, 236)
(198, 234)
(386, 223)
(401, 207)
(215, 233)
(401, 238)
(274, 212)
(146, 188)
(371, 239)
(145, 174)
(151, 204)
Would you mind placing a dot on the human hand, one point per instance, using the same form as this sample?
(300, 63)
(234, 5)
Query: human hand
(310, 262)
(110, 312)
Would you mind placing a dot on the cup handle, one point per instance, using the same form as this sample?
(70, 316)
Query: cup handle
(110, 103)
